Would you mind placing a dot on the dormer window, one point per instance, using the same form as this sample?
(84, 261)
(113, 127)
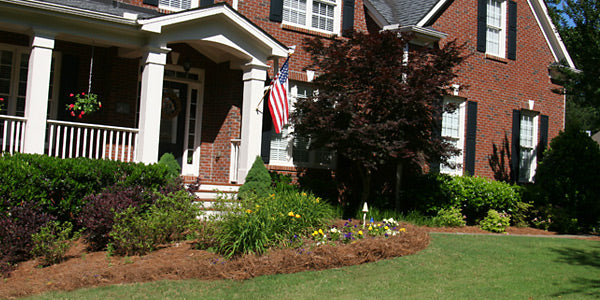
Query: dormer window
(321, 15)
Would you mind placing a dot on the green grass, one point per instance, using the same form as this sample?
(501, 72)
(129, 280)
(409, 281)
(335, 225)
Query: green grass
(453, 267)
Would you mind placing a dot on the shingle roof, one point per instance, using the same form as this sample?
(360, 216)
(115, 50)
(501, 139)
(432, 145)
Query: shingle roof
(111, 7)
(403, 12)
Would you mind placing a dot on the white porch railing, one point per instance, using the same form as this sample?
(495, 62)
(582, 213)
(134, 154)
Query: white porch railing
(12, 133)
(233, 165)
(70, 139)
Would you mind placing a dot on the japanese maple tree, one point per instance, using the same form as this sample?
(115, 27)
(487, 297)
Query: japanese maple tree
(376, 104)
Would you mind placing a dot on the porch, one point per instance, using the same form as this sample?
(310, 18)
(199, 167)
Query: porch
(187, 83)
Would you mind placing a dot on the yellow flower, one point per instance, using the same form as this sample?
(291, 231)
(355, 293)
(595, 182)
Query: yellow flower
(402, 229)
(297, 216)
(248, 211)
(321, 231)
(379, 225)
(272, 195)
(386, 228)
(360, 232)
(257, 206)
(318, 199)
(370, 228)
(291, 214)
(315, 233)
(303, 194)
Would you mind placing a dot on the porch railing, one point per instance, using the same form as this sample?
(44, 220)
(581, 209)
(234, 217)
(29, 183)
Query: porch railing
(233, 165)
(70, 139)
(12, 133)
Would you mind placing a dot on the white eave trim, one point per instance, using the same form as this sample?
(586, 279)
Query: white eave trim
(559, 51)
(156, 24)
(74, 11)
(434, 11)
(417, 30)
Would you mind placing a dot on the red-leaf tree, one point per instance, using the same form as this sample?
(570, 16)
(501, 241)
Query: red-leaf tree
(377, 105)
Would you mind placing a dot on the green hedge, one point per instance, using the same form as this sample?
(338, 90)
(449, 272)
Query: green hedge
(60, 185)
(475, 196)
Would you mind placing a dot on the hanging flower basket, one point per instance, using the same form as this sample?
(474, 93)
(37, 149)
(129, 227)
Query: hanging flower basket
(83, 104)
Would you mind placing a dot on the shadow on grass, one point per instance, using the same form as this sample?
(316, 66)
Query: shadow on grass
(579, 257)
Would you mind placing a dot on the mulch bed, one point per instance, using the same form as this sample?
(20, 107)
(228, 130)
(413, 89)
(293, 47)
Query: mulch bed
(182, 261)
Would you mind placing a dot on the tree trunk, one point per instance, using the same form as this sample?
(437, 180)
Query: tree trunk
(365, 176)
(398, 196)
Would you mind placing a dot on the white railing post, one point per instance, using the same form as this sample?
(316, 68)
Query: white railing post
(12, 135)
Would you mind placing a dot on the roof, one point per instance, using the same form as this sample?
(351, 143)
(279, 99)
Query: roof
(423, 13)
(403, 12)
(110, 7)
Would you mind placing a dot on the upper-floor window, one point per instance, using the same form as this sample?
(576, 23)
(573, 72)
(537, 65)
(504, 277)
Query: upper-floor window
(453, 124)
(322, 15)
(527, 146)
(496, 27)
(176, 5)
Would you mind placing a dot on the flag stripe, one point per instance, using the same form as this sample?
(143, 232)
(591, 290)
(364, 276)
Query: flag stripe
(278, 100)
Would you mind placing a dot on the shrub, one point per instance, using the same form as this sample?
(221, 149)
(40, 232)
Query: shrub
(262, 222)
(16, 228)
(474, 195)
(567, 178)
(60, 185)
(138, 231)
(451, 217)
(171, 163)
(53, 241)
(495, 222)
(98, 214)
(258, 181)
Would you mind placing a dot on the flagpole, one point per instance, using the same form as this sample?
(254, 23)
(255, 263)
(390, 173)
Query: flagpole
(290, 53)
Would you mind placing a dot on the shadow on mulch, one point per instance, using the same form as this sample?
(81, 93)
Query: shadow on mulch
(182, 261)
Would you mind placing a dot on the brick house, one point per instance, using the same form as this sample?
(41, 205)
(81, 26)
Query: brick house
(205, 65)
(507, 80)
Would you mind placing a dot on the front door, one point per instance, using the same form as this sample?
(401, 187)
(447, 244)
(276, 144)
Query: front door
(181, 108)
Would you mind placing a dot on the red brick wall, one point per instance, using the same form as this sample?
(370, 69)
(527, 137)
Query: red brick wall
(501, 85)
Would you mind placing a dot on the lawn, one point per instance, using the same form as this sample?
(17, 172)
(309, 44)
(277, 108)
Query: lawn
(453, 267)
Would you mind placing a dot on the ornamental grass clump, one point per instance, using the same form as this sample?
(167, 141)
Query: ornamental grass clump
(260, 223)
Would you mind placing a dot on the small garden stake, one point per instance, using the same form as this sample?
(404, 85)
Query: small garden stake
(365, 210)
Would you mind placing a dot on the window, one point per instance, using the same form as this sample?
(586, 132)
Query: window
(527, 146)
(314, 14)
(176, 5)
(496, 27)
(287, 150)
(453, 131)
(14, 64)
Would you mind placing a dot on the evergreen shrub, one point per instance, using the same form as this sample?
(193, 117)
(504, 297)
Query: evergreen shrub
(258, 181)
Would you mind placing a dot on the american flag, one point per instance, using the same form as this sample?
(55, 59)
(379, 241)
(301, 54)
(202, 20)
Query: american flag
(278, 100)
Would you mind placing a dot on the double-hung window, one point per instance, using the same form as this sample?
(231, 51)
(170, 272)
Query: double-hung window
(176, 5)
(453, 124)
(496, 27)
(321, 15)
(527, 146)
(287, 150)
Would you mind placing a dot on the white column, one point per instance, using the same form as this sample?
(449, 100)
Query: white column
(150, 104)
(38, 85)
(254, 84)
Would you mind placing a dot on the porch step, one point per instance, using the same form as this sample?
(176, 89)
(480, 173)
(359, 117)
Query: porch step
(207, 195)
(209, 209)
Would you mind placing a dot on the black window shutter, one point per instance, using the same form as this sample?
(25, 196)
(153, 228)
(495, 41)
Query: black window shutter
(543, 137)
(276, 13)
(470, 143)
(512, 30)
(267, 128)
(206, 2)
(348, 21)
(515, 145)
(481, 25)
(151, 2)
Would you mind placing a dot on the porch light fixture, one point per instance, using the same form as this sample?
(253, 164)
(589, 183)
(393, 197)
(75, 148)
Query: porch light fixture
(187, 66)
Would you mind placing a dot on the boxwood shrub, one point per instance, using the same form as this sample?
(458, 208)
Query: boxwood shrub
(59, 186)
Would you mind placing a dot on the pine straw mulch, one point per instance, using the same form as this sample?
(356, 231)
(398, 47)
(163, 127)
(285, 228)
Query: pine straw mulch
(182, 261)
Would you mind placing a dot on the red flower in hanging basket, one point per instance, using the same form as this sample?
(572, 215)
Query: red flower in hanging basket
(84, 104)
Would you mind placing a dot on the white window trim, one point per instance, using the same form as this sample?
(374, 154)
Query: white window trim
(461, 108)
(533, 163)
(337, 18)
(502, 36)
(14, 79)
(289, 161)
(193, 4)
